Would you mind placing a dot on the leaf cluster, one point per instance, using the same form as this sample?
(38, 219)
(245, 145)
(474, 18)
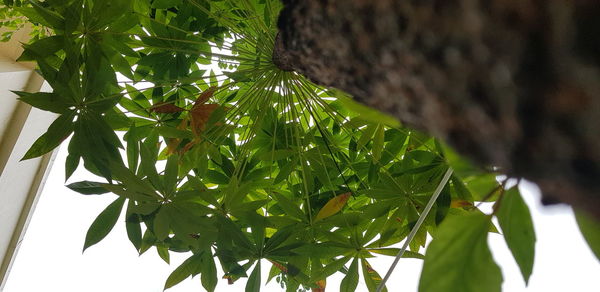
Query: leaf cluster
(213, 151)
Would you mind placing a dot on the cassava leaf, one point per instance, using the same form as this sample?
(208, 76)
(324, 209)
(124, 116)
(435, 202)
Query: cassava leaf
(459, 259)
(104, 223)
(590, 229)
(88, 188)
(372, 278)
(350, 281)
(515, 220)
(333, 206)
(58, 131)
(190, 266)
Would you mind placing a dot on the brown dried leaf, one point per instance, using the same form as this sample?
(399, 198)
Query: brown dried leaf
(204, 96)
(200, 115)
(321, 286)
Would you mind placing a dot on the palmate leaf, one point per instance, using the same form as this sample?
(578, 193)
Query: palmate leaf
(258, 162)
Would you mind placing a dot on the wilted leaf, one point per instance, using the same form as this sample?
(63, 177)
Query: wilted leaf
(321, 284)
(333, 206)
(200, 115)
(204, 96)
(458, 203)
(279, 266)
(372, 278)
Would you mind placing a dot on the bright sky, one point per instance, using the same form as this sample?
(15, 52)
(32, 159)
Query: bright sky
(50, 257)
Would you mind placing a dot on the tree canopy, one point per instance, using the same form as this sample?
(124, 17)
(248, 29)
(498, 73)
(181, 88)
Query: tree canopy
(179, 109)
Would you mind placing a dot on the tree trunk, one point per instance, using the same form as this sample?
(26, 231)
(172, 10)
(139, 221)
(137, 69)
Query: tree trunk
(513, 84)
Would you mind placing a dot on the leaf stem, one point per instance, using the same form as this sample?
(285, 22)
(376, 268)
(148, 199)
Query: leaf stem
(413, 232)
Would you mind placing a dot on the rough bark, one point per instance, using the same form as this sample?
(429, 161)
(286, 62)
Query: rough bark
(514, 84)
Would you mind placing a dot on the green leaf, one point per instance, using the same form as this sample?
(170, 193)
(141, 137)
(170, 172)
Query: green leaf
(50, 18)
(171, 172)
(88, 188)
(515, 220)
(163, 252)
(104, 223)
(164, 4)
(209, 272)
(365, 112)
(350, 281)
(162, 223)
(132, 182)
(189, 267)
(459, 259)
(391, 251)
(378, 140)
(127, 193)
(253, 284)
(148, 166)
(590, 229)
(216, 177)
(331, 268)
(366, 136)
(229, 228)
(289, 207)
(132, 224)
(58, 131)
(104, 104)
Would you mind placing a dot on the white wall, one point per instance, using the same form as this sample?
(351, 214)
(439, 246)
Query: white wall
(20, 126)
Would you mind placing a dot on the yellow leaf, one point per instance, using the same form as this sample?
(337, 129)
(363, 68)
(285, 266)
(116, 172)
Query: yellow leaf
(460, 204)
(320, 286)
(333, 206)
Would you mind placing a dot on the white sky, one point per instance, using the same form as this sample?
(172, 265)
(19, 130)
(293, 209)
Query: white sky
(50, 257)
